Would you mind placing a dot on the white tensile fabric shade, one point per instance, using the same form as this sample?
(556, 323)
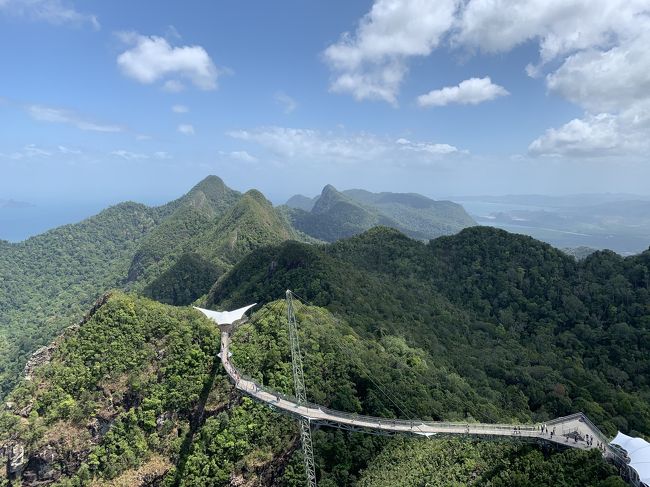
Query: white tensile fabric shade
(639, 452)
(225, 317)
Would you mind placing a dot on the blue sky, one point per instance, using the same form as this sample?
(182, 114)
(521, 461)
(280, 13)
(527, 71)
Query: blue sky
(106, 101)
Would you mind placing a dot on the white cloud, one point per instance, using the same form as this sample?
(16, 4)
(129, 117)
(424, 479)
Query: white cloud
(28, 152)
(559, 26)
(186, 129)
(439, 149)
(592, 52)
(172, 32)
(242, 155)
(593, 135)
(595, 52)
(371, 63)
(604, 134)
(33, 151)
(469, 92)
(57, 115)
(128, 155)
(286, 101)
(152, 58)
(606, 80)
(67, 150)
(56, 12)
(135, 156)
(180, 109)
(303, 145)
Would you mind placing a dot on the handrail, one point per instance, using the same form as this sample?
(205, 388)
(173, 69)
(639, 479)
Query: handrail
(318, 413)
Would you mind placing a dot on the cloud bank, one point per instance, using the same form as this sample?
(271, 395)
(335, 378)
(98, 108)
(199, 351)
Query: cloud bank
(591, 52)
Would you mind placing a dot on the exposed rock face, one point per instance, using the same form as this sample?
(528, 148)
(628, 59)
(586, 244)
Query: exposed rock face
(60, 455)
(15, 454)
(98, 427)
(40, 467)
(98, 304)
(38, 358)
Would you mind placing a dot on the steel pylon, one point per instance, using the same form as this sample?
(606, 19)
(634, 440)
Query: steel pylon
(301, 396)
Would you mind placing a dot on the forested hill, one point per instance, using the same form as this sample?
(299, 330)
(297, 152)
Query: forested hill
(521, 322)
(480, 326)
(334, 215)
(173, 253)
(48, 282)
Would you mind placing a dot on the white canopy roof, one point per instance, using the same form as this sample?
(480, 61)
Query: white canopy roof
(639, 452)
(225, 317)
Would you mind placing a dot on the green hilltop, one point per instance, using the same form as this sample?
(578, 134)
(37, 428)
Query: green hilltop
(135, 396)
(173, 253)
(482, 325)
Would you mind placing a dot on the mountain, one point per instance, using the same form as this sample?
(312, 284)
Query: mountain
(173, 253)
(206, 247)
(483, 325)
(47, 281)
(536, 332)
(301, 202)
(416, 213)
(334, 215)
(251, 223)
(186, 217)
(579, 253)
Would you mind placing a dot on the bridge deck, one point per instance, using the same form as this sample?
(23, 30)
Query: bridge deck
(571, 431)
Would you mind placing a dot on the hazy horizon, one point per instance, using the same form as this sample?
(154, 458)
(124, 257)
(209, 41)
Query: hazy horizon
(38, 215)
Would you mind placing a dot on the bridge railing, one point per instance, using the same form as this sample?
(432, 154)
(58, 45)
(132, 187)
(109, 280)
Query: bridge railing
(582, 417)
(365, 421)
(333, 415)
(244, 381)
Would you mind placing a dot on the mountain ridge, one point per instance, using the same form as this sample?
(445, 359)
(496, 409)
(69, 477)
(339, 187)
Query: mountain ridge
(429, 321)
(47, 280)
(341, 214)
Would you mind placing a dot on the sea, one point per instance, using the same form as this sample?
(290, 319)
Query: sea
(20, 223)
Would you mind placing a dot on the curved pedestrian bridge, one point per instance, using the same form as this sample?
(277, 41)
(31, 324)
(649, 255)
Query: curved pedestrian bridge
(575, 431)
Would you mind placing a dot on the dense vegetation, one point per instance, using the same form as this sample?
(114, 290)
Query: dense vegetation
(480, 326)
(409, 462)
(135, 395)
(122, 385)
(191, 215)
(173, 253)
(136, 390)
(334, 215)
(49, 281)
(529, 328)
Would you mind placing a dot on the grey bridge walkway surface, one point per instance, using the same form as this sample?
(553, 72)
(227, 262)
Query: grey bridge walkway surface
(570, 431)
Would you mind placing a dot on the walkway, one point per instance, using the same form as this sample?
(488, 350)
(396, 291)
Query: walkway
(572, 431)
